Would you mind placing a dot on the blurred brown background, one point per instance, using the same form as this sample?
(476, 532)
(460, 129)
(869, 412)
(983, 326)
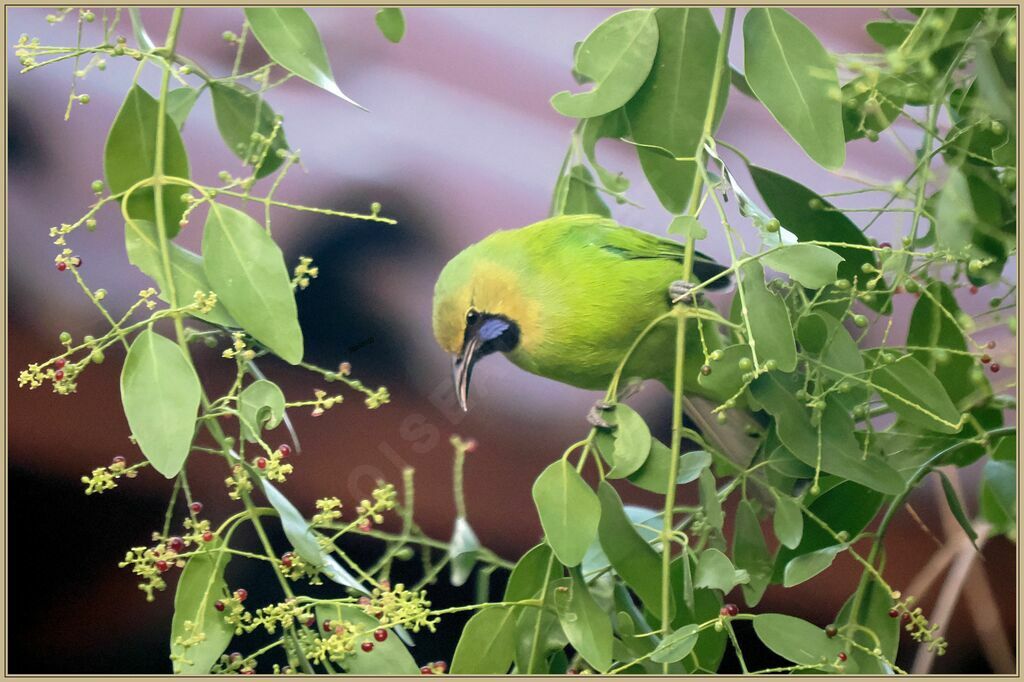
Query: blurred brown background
(460, 141)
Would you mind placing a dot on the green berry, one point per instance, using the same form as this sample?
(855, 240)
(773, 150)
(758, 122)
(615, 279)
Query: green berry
(97, 356)
(375, 207)
(770, 365)
(97, 186)
(745, 364)
(65, 338)
(773, 225)
(89, 16)
(867, 268)
(83, 99)
(229, 36)
(721, 417)
(860, 320)
(842, 284)
(90, 224)
(912, 286)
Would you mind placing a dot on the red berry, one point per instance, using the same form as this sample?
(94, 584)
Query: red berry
(729, 610)
(285, 450)
(241, 594)
(196, 507)
(261, 462)
(175, 544)
(367, 646)
(380, 634)
(885, 245)
(985, 359)
(842, 655)
(894, 613)
(207, 536)
(311, 621)
(118, 459)
(62, 266)
(286, 559)
(162, 565)
(366, 526)
(973, 290)
(470, 445)
(219, 604)
(60, 362)
(994, 367)
(58, 375)
(425, 670)
(327, 626)
(831, 631)
(905, 617)
(990, 345)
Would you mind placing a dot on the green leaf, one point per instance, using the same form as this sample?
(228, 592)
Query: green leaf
(241, 115)
(538, 635)
(750, 552)
(130, 156)
(614, 125)
(811, 265)
(831, 444)
(670, 109)
(795, 78)
(824, 336)
(788, 521)
(795, 639)
(290, 38)
(811, 218)
(846, 507)
(726, 377)
(390, 657)
(261, 405)
(769, 319)
(488, 643)
(687, 226)
(617, 56)
(187, 270)
(806, 566)
(916, 395)
(709, 501)
(716, 572)
(871, 105)
(463, 550)
(998, 499)
(179, 104)
(632, 442)
(160, 393)
(532, 571)
(142, 39)
(200, 586)
(692, 465)
(957, 509)
(653, 475)
(677, 645)
(586, 624)
(630, 555)
(569, 511)
(739, 81)
(391, 23)
(955, 218)
(889, 34)
(247, 271)
(576, 194)
(874, 603)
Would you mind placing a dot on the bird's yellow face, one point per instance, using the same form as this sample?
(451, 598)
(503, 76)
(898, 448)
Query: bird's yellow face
(479, 308)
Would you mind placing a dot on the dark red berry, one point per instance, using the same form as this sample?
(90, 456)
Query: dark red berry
(196, 507)
(425, 670)
(118, 459)
(207, 536)
(175, 544)
(973, 290)
(58, 375)
(311, 621)
(885, 245)
(162, 566)
(241, 594)
(380, 634)
(905, 617)
(367, 646)
(729, 610)
(831, 631)
(470, 445)
(219, 604)
(894, 613)
(994, 367)
(327, 626)
(705, 370)
(261, 462)
(985, 359)
(286, 559)
(60, 362)
(842, 655)
(990, 345)
(285, 450)
(62, 266)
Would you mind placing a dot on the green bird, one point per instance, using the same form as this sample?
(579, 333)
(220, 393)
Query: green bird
(565, 298)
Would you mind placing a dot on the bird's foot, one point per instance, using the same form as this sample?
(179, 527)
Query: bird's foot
(594, 417)
(680, 291)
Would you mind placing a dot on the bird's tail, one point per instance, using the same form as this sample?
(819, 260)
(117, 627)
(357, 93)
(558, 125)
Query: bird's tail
(732, 438)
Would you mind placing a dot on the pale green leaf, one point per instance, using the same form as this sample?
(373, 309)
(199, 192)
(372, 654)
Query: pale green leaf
(806, 566)
(462, 550)
(569, 511)
(242, 114)
(390, 657)
(811, 265)
(677, 645)
(687, 226)
(391, 23)
(585, 623)
(261, 406)
(796, 640)
(200, 586)
(487, 644)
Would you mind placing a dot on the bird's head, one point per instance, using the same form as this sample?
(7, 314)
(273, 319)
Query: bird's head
(480, 308)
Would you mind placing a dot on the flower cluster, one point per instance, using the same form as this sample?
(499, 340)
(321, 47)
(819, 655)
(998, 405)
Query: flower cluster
(371, 512)
(304, 272)
(238, 482)
(328, 511)
(378, 398)
(273, 467)
(103, 479)
(399, 606)
(239, 348)
(919, 627)
(324, 402)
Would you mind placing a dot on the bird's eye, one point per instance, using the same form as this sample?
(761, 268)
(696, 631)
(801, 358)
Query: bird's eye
(472, 316)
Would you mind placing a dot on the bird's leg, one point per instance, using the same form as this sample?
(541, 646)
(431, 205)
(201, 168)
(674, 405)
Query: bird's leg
(679, 291)
(594, 417)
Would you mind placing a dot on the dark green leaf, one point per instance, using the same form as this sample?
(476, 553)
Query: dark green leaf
(750, 552)
(389, 657)
(670, 109)
(463, 550)
(532, 571)
(889, 34)
(290, 38)
(822, 335)
(676, 646)
(614, 125)
(874, 602)
(200, 586)
(806, 566)
(811, 265)
(247, 271)
(871, 105)
(768, 318)
(998, 498)
(241, 115)
(629, 554)
(569, 511)
(488, 643)
(726, 377)
(586, 624)
(916, 395)
(391, 23)
(160, 393)
(654, 474)
(617, 56)
(796, 640)
(739, 81)
(130, 156)
(261, 406)
(795, 78)
(788, 521)
(933, 325)
(187, 270)
(179, 104)
(576, 194)
(632, 442)
(957, 509)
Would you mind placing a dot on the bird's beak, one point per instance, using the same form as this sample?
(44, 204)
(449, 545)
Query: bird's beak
(462, 370)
